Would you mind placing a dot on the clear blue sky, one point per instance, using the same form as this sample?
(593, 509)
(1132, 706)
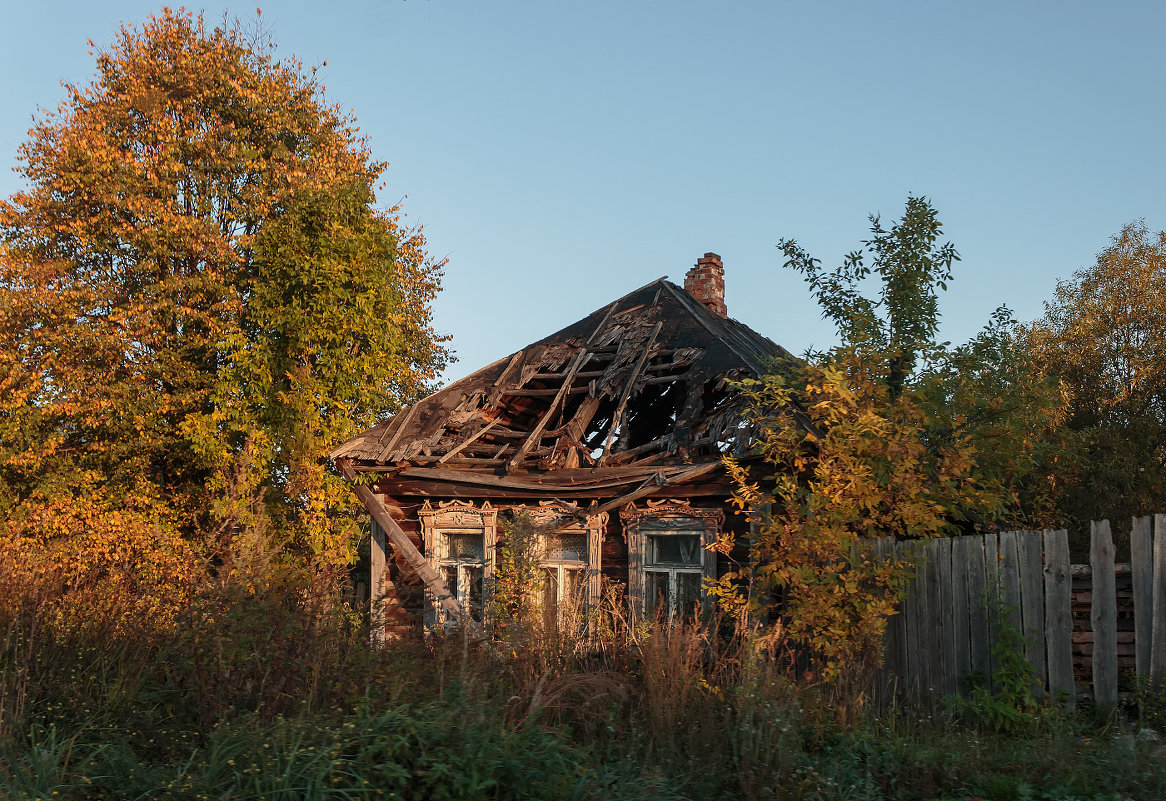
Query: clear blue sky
(562, 154)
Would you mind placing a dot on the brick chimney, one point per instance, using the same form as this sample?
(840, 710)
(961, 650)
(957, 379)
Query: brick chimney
(706, 283)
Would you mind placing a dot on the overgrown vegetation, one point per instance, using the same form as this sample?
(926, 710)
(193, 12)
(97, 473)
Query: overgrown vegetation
(199, 295)
(891, 433)
(269, 700)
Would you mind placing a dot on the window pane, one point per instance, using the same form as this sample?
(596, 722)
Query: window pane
(449, 573)
(674, 549)
(656, 594)
(465, 546)
(551, 589)
(550, 604)
(687, 593)
(574, 594)
(567, 548)
(474, 590)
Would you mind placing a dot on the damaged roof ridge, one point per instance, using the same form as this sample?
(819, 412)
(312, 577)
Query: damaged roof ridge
(607, 309)
(729, 330)
(390, 422)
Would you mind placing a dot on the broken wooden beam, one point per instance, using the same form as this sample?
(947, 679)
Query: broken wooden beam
(533, 439)
(627, 391)
(432, 580)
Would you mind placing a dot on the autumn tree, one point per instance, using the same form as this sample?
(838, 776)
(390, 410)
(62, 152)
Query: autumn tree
(1103, 336)
(199, 294)
(890, 433)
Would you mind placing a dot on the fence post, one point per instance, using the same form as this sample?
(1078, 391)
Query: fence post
(1103, 615)
(1059, 615)
(974, 552)
(1032, 602)
(1142, 574)
(1158, 635)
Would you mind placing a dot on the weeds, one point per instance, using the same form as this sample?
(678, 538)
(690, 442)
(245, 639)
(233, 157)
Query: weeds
(276, 695)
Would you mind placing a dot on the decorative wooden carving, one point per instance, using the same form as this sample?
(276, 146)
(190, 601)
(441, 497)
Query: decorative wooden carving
(568, 518)
(678, 516)
(457, 517)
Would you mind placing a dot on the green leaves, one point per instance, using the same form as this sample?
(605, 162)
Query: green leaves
(901, 324)
(1103, 337)
(198, 293)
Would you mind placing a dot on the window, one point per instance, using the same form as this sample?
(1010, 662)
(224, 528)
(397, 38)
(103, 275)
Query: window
(462, 558)
(459, 541)
(673, 568)
(668, 556)
(570, 556)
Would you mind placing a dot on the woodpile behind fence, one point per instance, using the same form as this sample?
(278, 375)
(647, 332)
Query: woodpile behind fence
(1080, 639)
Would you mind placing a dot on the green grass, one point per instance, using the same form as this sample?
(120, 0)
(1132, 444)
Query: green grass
(272, 704)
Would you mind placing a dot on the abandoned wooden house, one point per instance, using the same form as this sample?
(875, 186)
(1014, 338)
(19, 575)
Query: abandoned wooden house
(609, 432)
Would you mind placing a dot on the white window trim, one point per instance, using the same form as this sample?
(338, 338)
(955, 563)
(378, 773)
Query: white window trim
(457, 517)
(679, 517)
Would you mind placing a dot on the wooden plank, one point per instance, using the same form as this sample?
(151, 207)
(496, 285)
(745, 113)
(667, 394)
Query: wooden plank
(1103, 616)
(376, 589)
(960, 611)
(1158, 639)
(467, 442)
(992, 594)
(617, 419)
(385, 451)
(1032, 612)
(536, 433)
(1008, 609)
(925, 640)
(433, 581)
(657, 483)
(1142, 568)
(978, 642)
(943, 658)
(894, 638)
(551, 482)
(912, 685)
(1059, 616)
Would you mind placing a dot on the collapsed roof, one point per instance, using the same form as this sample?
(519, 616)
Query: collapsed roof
(645, 381)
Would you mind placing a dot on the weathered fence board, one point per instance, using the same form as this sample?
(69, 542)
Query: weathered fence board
(923, 642)
(1010, 579)
(973, 553)
(960, 611)
(1158, 636)
(1058, 616)
(1142, 575)
(944, 629)
(1032, 613)
(991, 594)
(1103, 616)
(894, 666)
(938, 574)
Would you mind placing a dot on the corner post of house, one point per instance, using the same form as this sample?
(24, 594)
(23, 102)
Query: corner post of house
(379, 567)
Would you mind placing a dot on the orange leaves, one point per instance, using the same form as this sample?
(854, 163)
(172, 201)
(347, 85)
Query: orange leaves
(197, 295)
(93, 561)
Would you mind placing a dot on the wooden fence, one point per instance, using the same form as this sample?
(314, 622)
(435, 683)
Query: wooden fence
(945, 629)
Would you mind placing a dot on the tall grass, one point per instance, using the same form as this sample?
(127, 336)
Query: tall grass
(271, 691)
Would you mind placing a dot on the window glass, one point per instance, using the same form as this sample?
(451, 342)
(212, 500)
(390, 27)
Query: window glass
(567, 548)
(687, 593)
(574, 585)
(674, 549)
(657, 593)
(464, 546)
(474, 591)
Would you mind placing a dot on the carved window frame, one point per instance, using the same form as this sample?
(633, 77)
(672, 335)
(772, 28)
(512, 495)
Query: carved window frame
(453, 518)
(667, 516)
(569, 519)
